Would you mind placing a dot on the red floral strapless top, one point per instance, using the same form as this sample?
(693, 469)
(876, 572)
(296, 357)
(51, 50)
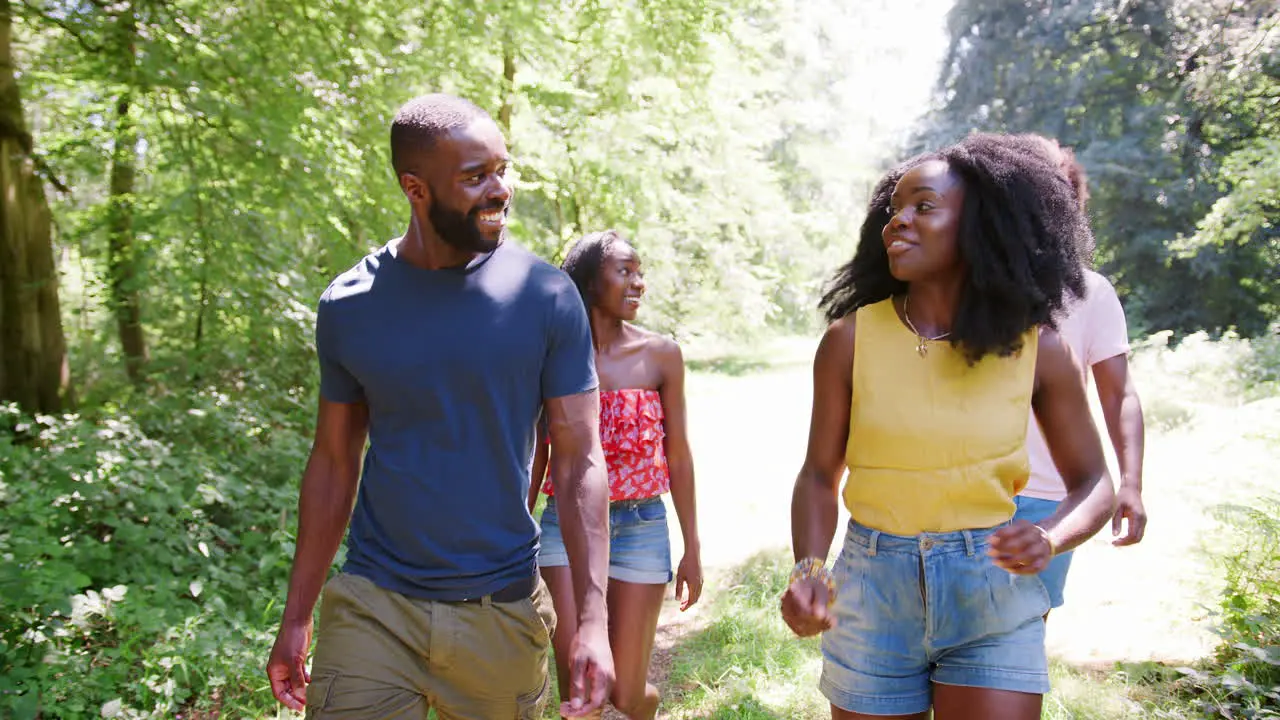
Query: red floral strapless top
(632, 434)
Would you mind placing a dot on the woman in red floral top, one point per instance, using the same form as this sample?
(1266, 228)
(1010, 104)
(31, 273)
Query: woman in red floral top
(642, 428)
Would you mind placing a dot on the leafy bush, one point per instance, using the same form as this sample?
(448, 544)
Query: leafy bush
(1242, 680)
(1262, 369)
(143, 554)
(1177, 380)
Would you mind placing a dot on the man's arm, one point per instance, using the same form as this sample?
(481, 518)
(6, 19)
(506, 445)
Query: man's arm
(1122, 411)
(581, 484)
(324, 508)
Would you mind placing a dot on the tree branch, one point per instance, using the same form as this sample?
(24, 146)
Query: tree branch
(67, 28)
(46, 172)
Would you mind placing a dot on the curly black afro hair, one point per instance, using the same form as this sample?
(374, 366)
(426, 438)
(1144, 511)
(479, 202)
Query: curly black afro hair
(1066, 160)
(1022, 236)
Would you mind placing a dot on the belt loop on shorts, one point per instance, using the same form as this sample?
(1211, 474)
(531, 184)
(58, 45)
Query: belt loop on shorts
(486, 601)
(968, 542)
(872, 542)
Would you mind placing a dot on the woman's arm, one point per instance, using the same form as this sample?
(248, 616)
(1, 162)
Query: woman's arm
(680, 463)
(1063, 413)
(814, 502)
(541, 460)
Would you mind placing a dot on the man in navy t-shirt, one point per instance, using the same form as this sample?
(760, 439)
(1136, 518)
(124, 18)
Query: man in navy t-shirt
(442, 348)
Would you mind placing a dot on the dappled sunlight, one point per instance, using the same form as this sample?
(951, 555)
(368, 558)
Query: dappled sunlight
(180, 183)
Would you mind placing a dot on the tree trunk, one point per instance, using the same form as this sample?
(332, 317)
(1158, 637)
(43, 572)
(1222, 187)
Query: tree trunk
(33, 351)
(197, 345)
(508, 88)
(123, 259)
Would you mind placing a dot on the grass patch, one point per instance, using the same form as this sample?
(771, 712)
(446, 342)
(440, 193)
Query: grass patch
(746, 665)
(1079, 694)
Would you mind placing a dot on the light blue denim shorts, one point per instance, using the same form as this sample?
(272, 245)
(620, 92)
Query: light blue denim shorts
(1054, 577)
(911, 611)
(639, 545)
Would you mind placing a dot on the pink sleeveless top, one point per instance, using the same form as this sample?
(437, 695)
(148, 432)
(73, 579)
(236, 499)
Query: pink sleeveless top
(632, 434)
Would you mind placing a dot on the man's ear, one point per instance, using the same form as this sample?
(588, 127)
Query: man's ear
(415, 189)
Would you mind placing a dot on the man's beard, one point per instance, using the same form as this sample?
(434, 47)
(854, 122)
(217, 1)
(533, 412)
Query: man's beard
(461, 231)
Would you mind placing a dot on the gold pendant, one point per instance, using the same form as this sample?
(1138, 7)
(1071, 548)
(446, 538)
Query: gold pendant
(922, 346)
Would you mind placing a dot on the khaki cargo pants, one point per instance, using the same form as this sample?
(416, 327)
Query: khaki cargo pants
(380, 655)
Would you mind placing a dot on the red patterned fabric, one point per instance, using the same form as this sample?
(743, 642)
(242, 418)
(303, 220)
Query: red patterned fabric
(632, 434)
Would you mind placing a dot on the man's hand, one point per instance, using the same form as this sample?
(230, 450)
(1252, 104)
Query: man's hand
(591, 673)
(689, 578)
(1021, 548)
(804, 607)
(1128, 507)
(287, 666)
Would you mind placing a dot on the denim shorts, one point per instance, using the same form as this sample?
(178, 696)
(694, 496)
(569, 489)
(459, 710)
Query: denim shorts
(933, 608)
(1054, 577)
(639, 546)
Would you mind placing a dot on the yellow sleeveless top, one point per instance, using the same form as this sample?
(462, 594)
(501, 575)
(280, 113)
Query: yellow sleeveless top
(935, 445)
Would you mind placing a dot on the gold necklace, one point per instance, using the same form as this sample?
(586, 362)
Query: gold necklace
(922, 342)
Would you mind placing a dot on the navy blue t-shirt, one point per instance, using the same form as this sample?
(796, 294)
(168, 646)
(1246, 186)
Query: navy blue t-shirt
(454, 365)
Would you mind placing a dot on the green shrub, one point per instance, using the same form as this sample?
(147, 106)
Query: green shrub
(1242, 680)
(1174, 379)
(144, 554)
(1262, 369)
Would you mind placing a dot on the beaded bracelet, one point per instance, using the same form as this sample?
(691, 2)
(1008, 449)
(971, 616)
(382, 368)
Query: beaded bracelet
(811, 567)
(1053, 549)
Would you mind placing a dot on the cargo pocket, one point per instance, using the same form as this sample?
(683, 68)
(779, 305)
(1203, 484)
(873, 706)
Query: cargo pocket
(318, 694)
(534, 617)
(347, 697)
(530, 705)
(545, 608)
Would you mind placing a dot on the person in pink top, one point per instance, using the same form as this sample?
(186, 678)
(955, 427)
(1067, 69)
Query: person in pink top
(642, 429)
(1097, 334)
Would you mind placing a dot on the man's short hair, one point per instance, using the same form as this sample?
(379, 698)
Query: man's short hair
(421, 121)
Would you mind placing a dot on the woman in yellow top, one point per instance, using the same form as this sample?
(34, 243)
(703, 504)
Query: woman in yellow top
(941, 340)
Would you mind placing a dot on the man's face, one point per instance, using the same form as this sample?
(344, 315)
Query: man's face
(470, 195)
